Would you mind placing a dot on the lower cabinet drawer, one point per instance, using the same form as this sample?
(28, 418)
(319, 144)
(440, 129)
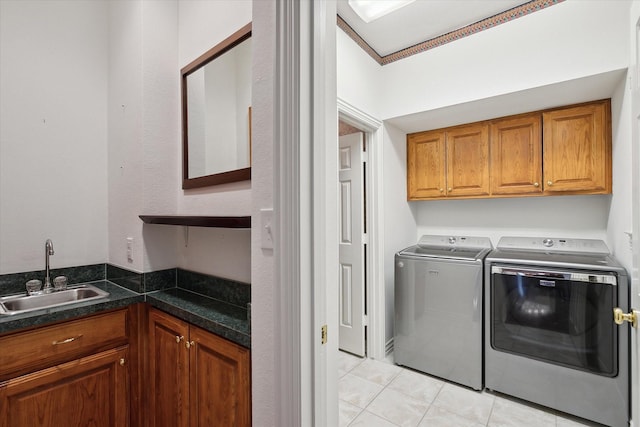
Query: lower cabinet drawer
(23, 352)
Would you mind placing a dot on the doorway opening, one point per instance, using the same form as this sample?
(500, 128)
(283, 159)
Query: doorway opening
(361, 313)
(352, 194)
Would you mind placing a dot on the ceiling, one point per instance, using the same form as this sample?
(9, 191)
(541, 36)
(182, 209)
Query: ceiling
(420, 21)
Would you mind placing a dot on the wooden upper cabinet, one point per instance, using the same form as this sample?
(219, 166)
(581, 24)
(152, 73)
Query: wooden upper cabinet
(468, 160)
(577, 149)
(552, 152)
(516, 155)
(426, 165)
(448, 163)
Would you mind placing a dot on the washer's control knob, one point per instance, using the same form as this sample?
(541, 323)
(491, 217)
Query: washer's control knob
(548, 242)
(452, 240)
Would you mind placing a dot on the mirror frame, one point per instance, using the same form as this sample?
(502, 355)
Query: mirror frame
(235, 175)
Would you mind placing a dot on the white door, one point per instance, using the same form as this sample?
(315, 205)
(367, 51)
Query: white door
(351, 229)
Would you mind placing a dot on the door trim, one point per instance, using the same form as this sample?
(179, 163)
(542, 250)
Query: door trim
(375, 303)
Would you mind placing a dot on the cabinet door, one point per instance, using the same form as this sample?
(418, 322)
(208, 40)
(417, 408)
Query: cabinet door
(168, 391)
(468, 160)
(220, 381)
(425, 165)
(92, 391)
(516, 155)
(577, 149)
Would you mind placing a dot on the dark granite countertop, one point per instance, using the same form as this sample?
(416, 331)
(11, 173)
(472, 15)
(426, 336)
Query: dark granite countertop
(227, 320)
(220, 318)
(118, 297)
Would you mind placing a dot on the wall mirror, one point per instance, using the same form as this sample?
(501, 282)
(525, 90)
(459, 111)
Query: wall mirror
(216, 114)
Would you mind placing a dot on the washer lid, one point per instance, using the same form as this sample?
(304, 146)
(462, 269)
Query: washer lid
(458, 242)
(467, 254)
(451, 247)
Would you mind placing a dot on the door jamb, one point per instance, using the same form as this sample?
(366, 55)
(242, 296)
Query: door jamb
(375, 304)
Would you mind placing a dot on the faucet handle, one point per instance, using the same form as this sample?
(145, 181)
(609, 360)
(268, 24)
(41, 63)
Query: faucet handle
(60, 283)
(33, 286)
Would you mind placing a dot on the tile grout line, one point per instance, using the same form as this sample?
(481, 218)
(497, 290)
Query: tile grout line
(378, 394)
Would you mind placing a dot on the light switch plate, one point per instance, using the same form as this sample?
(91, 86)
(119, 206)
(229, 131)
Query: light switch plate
(266, 225)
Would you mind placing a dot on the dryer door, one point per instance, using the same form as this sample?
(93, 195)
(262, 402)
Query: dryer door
(560, 317)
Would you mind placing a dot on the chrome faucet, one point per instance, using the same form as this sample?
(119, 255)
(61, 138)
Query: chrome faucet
(48, 251)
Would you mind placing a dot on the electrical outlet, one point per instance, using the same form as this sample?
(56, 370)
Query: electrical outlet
(129, 249)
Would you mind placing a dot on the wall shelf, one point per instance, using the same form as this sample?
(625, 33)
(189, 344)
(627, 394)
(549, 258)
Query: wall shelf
(199, 221)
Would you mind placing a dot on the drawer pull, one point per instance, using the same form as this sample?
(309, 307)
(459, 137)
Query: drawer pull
(179, 338)
(67, 341)
(190, 344)
(122, 362)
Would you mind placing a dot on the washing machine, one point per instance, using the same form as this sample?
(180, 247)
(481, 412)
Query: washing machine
(438, 307)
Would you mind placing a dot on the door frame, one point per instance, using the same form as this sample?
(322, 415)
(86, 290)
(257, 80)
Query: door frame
(374, 271)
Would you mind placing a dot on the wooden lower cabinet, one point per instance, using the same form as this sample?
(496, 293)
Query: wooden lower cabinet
(91, 391)
(75, 373)
(196, 378)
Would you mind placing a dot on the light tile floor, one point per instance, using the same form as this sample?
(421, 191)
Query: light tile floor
(380, 394)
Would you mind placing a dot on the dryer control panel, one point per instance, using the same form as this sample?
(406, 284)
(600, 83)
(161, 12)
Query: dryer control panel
(549, 244)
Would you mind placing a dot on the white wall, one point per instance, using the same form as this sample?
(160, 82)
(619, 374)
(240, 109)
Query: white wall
(571, 52)
(563, 42)
(150, 42)
(264, 375)
(143, 133)
(358, 76)
(53, 133)
(400, 218)
(91, 134)
(201, 25)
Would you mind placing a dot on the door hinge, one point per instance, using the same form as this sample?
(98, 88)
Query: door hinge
(365, 320)
(324, 334)
(365, 156)
(365, 238)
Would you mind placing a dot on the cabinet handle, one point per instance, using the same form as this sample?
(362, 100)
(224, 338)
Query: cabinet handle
(179, 338)
(122, 362)
(449, 189)
(189, 344)
(67, 341)
(442, 190)
(549, 183)
(535, 184)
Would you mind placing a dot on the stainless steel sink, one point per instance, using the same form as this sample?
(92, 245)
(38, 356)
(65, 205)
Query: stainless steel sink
(16, 304)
